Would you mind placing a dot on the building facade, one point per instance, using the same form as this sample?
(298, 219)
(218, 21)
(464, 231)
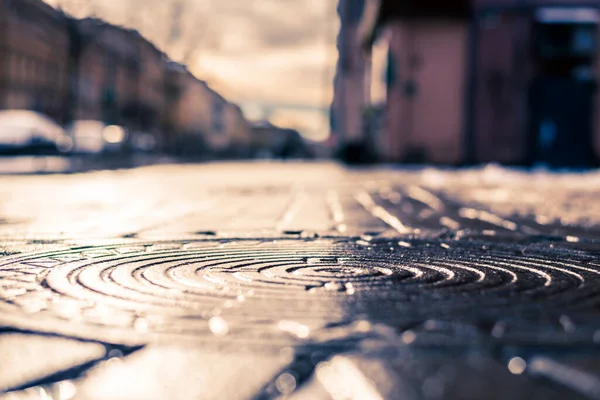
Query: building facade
(218, 137)
(105, 73)
(201, 121)
(423, 104)
(534, 84)
(238, 130)
(151, 90)
(490, 80)
(34, 52)
(87, 69)
(189, 111)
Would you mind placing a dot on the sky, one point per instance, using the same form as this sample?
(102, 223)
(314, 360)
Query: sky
(253, 52)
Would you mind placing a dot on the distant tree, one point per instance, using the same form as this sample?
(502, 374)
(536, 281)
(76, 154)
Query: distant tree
(78, 8)
(178, 27)
(187, 28)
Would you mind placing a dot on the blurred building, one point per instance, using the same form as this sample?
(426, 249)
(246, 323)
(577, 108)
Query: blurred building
(217, 137)
(351, 84)
(202, 122)
(89, 70)
(189, 111)
(533, 90)
(238, 131)
(151, 86)
(271, 141)
(120, 78)
(105, 70)
(425, 77)
(489, 80)
(34, 49)
(196, 116)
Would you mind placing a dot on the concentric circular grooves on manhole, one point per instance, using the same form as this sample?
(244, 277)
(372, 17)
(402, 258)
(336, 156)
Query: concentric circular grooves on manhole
(175, 287)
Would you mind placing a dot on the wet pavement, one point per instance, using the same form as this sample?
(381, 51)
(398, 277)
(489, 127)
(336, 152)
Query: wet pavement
(299, 281)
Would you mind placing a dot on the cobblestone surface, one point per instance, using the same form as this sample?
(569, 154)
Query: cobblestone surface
(300, 281)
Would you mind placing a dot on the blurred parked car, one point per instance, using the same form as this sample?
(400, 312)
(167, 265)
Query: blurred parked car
(28, 132)
(94, 137)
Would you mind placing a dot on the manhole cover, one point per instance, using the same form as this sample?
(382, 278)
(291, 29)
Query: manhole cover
(266, 289)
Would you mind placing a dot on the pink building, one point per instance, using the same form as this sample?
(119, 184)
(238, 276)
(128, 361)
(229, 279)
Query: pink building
(489, 80)
(425, 91)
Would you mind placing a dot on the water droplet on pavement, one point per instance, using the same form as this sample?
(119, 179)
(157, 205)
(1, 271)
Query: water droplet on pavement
(567, 323)
(140, 325)
(65, 390)
(295, 328)
(409, 337)
(350, 289)
(363, 326)
(517, 365)
(115, 353)
(498, 330)
(288, 353)
(285, 383)
(218, 326)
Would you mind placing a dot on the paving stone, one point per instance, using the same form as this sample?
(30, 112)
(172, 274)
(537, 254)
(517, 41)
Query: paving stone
(26, 358)
(183, 373)
(425, 374)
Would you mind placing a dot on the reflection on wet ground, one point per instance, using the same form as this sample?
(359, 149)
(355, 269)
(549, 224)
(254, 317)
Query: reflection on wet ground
(303, 281)
(26, 165)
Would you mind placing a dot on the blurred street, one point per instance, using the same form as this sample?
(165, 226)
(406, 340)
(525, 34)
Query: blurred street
(288, 278)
